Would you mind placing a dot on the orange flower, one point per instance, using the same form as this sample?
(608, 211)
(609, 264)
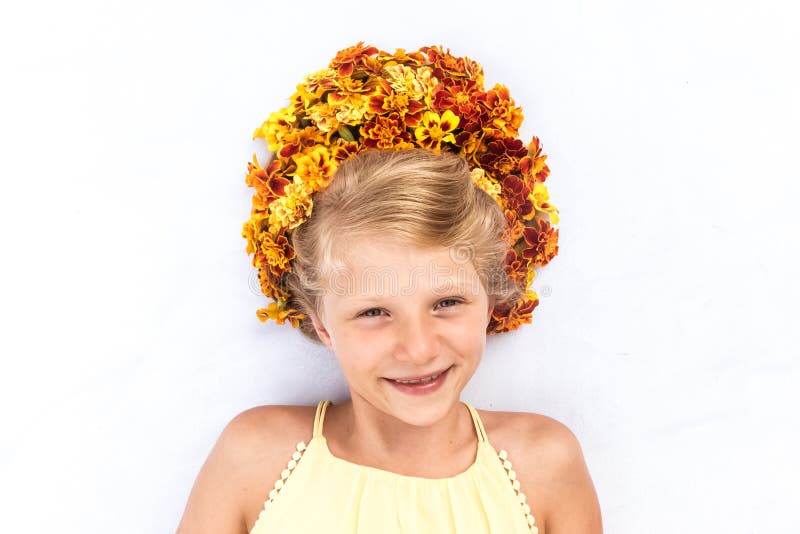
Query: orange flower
(297, 140)
(542, 243)
(385, 100)
(446, 64)
(268, 183)
(350, 58)
(400, 57)
(315, 166)
(386, 132)
(505, 116)
(344, 150)
(277, 250)
(533, 165)
(505, 319)
(516, 268)
(269, 278)
(436, 129)
(280, 315)
(516, 195)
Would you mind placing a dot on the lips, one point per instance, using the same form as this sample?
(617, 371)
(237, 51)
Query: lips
(421, 386)
(419, 379)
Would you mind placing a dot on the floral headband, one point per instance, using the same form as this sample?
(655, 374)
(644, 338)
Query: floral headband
(368, 98)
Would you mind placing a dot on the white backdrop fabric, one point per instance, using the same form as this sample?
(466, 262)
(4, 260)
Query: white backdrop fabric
(666, 337)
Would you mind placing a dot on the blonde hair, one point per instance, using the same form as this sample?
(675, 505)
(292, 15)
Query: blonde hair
(414, 197)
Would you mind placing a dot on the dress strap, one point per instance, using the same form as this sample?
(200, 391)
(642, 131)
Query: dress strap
(478, 423)
(319, 418)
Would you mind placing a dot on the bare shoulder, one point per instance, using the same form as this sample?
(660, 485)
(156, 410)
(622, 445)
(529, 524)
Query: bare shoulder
(551, 468)
(241, 468)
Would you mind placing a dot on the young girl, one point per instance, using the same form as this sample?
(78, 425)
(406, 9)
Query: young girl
(418, 245)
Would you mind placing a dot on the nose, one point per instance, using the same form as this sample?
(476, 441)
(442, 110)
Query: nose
(418, 340)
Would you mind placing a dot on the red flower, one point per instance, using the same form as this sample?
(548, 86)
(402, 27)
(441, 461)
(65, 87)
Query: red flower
(503, 156)
(464, 98)
(516, 195)
(516, 268)
(542, 243)
(444, 64)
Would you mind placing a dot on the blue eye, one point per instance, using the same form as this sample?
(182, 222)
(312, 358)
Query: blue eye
(368, 314)
(450, 300)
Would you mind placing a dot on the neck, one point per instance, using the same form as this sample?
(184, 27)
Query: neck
(379, 438)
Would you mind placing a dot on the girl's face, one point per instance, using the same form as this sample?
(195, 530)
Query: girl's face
(398, 312)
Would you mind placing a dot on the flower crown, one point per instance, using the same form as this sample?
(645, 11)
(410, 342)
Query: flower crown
(370, 99)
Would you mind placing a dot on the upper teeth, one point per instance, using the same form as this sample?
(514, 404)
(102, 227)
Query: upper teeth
(421, 380)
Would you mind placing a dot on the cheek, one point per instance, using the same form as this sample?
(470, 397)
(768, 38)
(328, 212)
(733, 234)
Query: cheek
(358, 351)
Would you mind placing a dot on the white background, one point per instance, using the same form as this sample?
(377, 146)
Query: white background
(667, 333)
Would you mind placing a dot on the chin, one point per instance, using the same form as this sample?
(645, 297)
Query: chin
(422, 411)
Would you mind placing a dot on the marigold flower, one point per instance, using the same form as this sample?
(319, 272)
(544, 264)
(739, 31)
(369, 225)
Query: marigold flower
(297, 140)
(368, 98)
(533, 165)
(291, 210)
(539, 196)
(324, 116)
(314, 167)
(463, 97)
(400, 57)
(448, 64)
(517, 197)
(505, 116)
(268, 183)
(350, 58)
(279, 124)
(277, 250)
(436, 129)
(386, 132)
(542, 243)
(387, 100)
(418, 83)
(516, 268)
(344, 150)
(280, 315)
(505, 319)
(503, 156)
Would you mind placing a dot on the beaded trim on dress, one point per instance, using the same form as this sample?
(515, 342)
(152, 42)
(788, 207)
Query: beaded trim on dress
(502, 456)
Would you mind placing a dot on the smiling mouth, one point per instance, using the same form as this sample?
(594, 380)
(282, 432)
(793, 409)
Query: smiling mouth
(418, 380)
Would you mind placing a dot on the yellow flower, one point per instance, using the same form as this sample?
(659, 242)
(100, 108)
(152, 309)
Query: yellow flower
(317, 82)
(324, 116)
(539, 196)
(292, 210)
(436, 130)
(419, 83)
(315, 166)
(276, 127)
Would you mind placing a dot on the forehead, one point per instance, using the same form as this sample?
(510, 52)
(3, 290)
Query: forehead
(375, 268)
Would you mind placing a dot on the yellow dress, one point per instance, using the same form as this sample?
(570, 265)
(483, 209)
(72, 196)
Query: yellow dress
(322, 493)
